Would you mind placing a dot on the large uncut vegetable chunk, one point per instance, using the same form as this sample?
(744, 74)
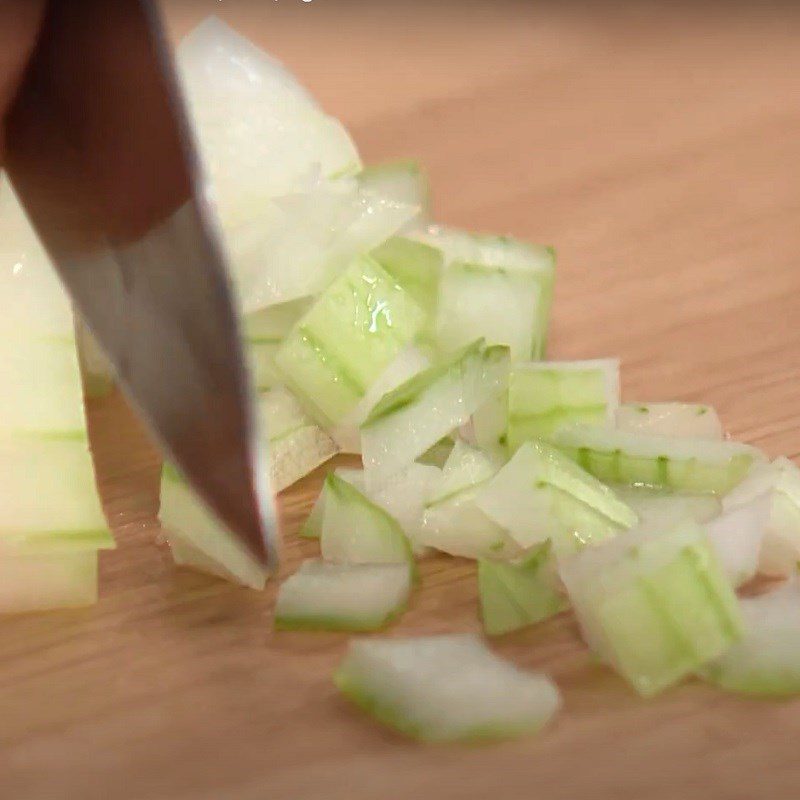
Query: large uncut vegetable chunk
(540, 494)
(686, 465)
(547, 396)
(342, 597)
(416, 415)
(656, 607)
(493, 287)
(53, 522)
(767, 659)
(348, 338)
(445, 689)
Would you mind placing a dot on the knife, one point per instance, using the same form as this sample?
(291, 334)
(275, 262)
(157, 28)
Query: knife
(99, 150)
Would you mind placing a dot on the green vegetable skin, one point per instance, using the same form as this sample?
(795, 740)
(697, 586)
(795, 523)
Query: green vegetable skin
(541, 494)
(445, 689)
(657, 607)
(688, 465)
(516, 595)
(545, 397)
(348, 337)
(342, 597)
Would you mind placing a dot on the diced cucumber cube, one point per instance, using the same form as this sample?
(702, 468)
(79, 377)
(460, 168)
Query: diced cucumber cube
(399, 181)
(519, 594)
(342, 597)
(654, 606)
(348, 338)
(540, 494)
(547, 396)
(766, 661)
(688, 465)
(445, 689)
(670, 419)
(417, 414)
(357, 531)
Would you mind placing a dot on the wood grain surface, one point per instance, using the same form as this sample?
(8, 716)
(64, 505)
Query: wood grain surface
(658, 149)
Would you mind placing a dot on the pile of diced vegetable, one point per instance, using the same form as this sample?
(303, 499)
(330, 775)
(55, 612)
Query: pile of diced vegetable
(423, 349)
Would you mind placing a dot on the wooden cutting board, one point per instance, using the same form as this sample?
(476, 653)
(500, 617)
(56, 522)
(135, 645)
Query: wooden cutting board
(659, 151)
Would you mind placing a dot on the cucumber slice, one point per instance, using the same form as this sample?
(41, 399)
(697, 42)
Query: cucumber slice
(404, 500)
(540, 494)
(417, 414)
(342, 597)
(765, 662)
(417, 267)
(661, 510)
(778, 484)
(688, 465)
(297, 445)
(670, 419)
(199, 540)
(737, 536)
(501, 306)
(298, 243)
(656, 607)
(410, 360)
(452, 522)
(312, 528)
(347, 339)
(513, 596)
(357, 531)
(259, 133)
(490, 426)
(44, 581)
(400, 181)
(547, 396)
(503, 254)
(445, 689)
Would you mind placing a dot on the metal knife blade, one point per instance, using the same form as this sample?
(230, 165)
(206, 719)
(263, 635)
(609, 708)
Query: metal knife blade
(99, 151)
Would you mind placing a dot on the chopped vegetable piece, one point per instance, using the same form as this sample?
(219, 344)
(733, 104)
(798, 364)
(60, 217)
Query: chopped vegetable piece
(690, 420)
(357, 531)
(687, 465)
(198, 539)
(779, 484)
(503, 254)
(546, 396)
(41, 581)
(445, 689)
(413, 417)
(342, 597)
(765, 662)
(347, 339)
(519, 594)
(409, 361)
(417, 267)
(540, 494)
(489, 426)
(400, 181)
(452, 522)
(297, 445)
(659, 509)
(737, 536)
(501, 306)
(656, 607)
(312, 528)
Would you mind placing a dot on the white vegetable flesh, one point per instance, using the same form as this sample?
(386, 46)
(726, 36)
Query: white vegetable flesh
(445, 689)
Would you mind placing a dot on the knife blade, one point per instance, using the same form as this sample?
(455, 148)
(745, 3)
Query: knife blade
(99, 150)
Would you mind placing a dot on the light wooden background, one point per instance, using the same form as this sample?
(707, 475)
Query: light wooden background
(659, 151)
